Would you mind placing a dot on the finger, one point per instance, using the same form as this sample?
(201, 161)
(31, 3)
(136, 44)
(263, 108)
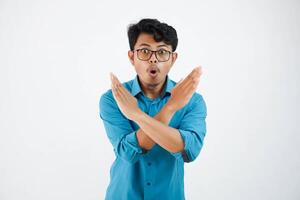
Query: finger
(119, 97)
(125, 92)
(113, 82)
(115, 92)
(194, 73)
(114, 88)
(197, 71)
(191, 88)
(115, 78)
(192, 80)
(188, 76)
(111, 78)
(120, 88)
(116, 81)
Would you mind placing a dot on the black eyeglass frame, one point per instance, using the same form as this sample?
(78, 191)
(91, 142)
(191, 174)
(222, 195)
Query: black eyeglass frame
(170, 53)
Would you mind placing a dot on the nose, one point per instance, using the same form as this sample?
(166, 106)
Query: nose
(153, 58)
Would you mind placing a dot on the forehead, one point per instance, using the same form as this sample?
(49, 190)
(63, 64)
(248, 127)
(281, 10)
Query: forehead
(145, 39)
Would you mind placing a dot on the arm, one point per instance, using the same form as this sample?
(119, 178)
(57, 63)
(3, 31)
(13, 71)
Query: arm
(192, 129)
(168, 137)
(144, 140)
(118, 129)
(186, 141)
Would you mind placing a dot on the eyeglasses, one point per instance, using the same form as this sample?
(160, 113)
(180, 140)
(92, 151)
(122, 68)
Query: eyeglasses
(161, 55)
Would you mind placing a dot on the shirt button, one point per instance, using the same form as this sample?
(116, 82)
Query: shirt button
(149, 163)
(148, 183)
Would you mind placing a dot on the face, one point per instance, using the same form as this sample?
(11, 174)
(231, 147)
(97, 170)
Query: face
(152, 73)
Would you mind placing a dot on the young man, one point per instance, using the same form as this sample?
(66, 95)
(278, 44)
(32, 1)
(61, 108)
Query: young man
(154, 124)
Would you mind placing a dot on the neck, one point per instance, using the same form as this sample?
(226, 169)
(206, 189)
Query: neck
(152, 90)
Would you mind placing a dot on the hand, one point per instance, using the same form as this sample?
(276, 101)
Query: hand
(126, 102)
(184, 89)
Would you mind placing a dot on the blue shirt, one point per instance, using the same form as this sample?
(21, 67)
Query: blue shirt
(138, 174)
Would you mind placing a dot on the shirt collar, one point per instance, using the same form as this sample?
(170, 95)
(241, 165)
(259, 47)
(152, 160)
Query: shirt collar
(136, 88)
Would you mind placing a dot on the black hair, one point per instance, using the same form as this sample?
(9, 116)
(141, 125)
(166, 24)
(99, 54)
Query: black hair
(160, 31)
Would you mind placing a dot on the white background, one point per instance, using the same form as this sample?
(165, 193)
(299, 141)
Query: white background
(55, 59)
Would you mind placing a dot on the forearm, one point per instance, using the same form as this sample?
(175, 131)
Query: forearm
(144, 140)
(157, 130)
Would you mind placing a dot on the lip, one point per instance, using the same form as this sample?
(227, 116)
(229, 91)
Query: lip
(153, 75)
(153, 68)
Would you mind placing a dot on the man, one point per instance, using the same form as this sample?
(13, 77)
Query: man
(154, 124)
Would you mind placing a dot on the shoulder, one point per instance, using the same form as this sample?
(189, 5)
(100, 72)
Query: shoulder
(197, 102)
(107, 103)
(106, 97)
(197, 98)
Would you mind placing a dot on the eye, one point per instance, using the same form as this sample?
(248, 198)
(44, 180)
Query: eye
(162, 51)
(145, 51)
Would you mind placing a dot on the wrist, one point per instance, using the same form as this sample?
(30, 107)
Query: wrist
(169, 107)
(138, 116)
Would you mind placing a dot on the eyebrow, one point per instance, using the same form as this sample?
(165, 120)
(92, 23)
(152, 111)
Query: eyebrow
(162, 45)
(144, 44)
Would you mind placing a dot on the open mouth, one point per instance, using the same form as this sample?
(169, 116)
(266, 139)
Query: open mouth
(153, 73)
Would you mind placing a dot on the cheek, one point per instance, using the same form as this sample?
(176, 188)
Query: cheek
(165, 68)
(140, 68)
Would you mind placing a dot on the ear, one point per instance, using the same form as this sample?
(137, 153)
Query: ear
(174, 57)
(131, 56)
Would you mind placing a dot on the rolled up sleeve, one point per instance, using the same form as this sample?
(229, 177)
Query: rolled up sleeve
(192, 129)
(119, 130)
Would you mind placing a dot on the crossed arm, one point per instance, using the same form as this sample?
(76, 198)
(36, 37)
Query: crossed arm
(169, 138)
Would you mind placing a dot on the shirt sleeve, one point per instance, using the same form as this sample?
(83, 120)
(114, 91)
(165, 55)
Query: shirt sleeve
(119, 130)
(192, 129)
